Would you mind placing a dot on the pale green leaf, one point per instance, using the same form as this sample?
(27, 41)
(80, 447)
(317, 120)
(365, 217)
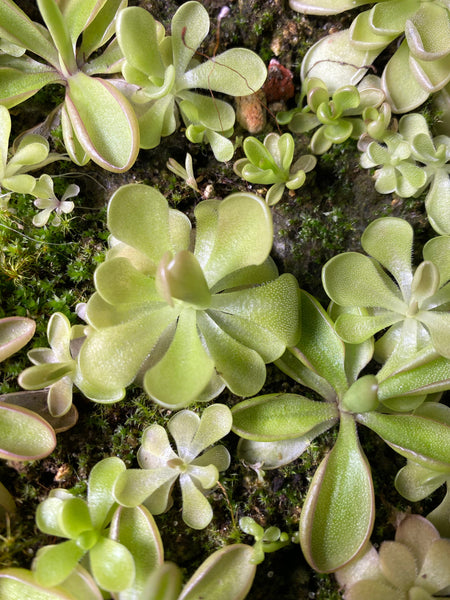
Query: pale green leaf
(421, 439)
(137, 35)
(389, 240)
(136, 529)
(139, 216)
(133, 486)
(184, 370)
(403, 91)
(53, 564)
(101, 483)
(225, 575)
(18, 28)
(15, 332)
(272, 455)
(197, 512)
(242, 369)
(276, 417)
(118, 282)
(109, 351)
(193, 18)
(36, 440)
(262, 305)
(112, 565)
(352, 279)
(330, 509)
(243, 236)
(104, 122)
(215, 424)
(237, 72)
(336, 61)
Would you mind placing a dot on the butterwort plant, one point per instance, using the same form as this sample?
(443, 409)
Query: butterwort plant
(277, 428)
(96, 528)
(165, 71)
(195, 464)
(411, 304)
(419, 64)
(185, 319)
(270, 162)
(98, 122)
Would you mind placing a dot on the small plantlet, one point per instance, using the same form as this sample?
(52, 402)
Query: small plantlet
(266, 540)
(196, 466)
(48, 203)
(186, 173)
(270, 162)
(84, 524)
(411, 304)
(54, 368)
(337, 115)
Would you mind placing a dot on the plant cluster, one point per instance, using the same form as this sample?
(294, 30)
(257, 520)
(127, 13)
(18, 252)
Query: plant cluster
(187, 311)
(419, 65)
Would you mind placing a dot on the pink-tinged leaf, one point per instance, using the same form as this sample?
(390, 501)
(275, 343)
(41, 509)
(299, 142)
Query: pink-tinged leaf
(15, 332)
(103, 121)
(36, 440)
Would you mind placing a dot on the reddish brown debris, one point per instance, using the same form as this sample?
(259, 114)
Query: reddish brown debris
(279, 83)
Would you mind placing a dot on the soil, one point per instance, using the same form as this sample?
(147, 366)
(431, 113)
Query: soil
(323, 218)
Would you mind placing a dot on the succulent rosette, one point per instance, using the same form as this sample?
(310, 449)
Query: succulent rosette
(419, 65)
(187, 322)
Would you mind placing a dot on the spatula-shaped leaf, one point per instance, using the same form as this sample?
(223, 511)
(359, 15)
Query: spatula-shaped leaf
(389, 240)
(262, 305)
(18, 28)
(190, 25)
(138, 215)
(15, 332)
(55, 563)
(21, 584)
(101, 483)
(280, 416)
(331, 508)
(423, 439)
(136, 529)
(112, 565)
(104, 122)
(403, 92)
(271, 455)
(225, 575)
(352, 279)
(184, 370)
(110, 351)
(23, 434)
(337, 61)
(244, 235)
(242, 368)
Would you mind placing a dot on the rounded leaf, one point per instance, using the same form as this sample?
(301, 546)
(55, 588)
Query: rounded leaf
(15, 332)
(225, 575)
(94, 107)
(37, 438)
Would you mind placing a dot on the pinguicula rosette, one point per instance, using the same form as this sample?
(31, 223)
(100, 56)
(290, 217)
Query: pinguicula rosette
(186, 319)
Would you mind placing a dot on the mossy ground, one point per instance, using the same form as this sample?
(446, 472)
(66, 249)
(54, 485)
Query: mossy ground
(50, 269)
